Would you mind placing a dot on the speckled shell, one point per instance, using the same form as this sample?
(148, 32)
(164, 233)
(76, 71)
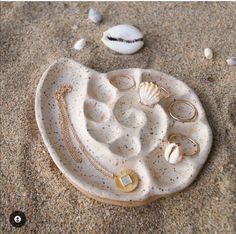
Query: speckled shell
(123, 38)
(119, 131)
(149, 93)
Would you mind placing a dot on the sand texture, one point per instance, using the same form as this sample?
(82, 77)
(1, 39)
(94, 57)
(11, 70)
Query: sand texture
(33, 35)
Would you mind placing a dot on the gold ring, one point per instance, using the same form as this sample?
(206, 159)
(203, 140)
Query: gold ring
(189, 139)
(168, 94)
(122, 76)
(183, 119)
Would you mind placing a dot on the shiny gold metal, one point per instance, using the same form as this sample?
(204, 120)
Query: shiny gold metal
(126, 180)
(182, 119)
(172, 137)
(167, 93)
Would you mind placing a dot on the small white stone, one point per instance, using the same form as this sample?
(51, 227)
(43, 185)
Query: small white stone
(208, 53)
(80, 44)
(94, 16)
(231, 61)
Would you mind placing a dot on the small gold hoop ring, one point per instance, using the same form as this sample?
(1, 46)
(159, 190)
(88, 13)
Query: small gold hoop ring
(189, 139)
(167, 93)
(125, 89)
(183, 119)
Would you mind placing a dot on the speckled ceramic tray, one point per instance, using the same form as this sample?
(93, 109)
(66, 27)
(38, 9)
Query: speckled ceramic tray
(119, 131)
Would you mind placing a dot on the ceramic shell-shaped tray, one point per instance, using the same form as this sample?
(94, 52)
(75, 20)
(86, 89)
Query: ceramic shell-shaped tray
(119, 131)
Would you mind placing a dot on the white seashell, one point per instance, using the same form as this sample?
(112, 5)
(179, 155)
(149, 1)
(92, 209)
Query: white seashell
(123, 38)
(208, 53)
(231, 61)
(94, 16)
(80, 44)
(173, 153)
(149, 93)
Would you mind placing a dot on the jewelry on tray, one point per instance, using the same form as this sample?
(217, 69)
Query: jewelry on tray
(125, 180)
(191, 118)
(123, 82)
(174, 151)
(151, 93)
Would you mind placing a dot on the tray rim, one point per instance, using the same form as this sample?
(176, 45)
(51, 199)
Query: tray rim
(62, 168)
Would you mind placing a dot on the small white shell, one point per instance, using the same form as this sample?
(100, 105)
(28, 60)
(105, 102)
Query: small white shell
(123, 38)
(80, 44)
(208, 53)
(149, 93)
(173, 153)
(94, 16)
(231, 61)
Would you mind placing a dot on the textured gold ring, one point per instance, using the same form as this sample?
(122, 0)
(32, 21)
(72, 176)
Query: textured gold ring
(179, 118)
(171, 137)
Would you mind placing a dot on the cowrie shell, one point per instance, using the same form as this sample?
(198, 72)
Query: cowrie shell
(173, 153)
(123, 38)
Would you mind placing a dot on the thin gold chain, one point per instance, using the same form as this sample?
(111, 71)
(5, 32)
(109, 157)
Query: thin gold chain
(66, 125)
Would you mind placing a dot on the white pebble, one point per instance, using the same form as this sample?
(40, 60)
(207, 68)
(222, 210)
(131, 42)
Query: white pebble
(208, 53)
(94, 16)
(231, 61)
(80, 44)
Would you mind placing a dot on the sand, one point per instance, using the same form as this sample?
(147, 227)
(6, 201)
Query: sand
(33, 35)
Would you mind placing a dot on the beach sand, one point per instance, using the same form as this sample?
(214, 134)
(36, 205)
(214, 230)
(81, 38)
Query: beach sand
(33, 35)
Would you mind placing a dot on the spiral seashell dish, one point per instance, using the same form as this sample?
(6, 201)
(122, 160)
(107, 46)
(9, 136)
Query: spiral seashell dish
(113, 135)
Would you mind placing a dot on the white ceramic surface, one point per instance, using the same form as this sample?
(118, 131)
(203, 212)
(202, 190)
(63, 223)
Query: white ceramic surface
(119, 131)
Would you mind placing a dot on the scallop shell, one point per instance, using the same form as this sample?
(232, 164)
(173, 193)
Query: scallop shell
(123, 38)
(149, 93)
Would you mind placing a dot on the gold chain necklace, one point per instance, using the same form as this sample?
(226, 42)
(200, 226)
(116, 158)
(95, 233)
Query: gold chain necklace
(125, 180)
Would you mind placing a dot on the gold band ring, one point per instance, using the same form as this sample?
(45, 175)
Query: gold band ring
(167, 93)
(171, 137)
(179, 118)
(122, 76)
